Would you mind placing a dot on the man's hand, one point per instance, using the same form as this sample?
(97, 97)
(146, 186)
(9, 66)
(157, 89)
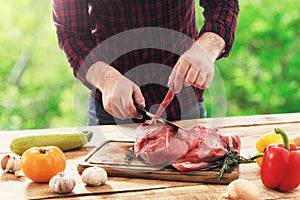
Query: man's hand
(196, 66)
(118, 92)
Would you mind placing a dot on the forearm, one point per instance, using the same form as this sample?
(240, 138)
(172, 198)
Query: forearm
(100, 74)
(213, 44)
(221, 17)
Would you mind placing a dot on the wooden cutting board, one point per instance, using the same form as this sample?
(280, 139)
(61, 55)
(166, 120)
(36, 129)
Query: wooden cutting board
(111, 155)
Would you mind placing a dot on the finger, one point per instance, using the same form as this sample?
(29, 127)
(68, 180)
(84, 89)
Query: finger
(112, 108)
(207, 82)
(122, 105)
(118, 108)
(138, 99)
(133, 113)
(180, 75)
(200, 80)
(107, 104)
(172, 76)
(191, 76)
(120, 111)
(128, 109)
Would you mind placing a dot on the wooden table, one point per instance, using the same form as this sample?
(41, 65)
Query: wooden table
(248, 127)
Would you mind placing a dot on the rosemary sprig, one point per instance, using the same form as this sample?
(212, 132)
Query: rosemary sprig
(129, 157)
(226, 163)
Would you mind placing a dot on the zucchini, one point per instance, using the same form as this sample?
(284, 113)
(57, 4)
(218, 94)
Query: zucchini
(64, 141)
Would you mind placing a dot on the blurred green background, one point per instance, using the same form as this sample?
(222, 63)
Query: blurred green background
(37, 86)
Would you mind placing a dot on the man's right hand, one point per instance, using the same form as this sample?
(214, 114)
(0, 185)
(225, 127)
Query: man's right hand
(119, 94)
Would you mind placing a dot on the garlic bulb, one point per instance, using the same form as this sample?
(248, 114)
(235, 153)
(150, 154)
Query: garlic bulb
(241, 189)
(11, 163)
(62, 183)
(94, 176)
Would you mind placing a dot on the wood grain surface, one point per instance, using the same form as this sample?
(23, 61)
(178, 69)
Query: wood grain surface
(249, 128)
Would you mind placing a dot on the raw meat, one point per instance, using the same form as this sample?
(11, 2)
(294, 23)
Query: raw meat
(165, 103)
(187, 150)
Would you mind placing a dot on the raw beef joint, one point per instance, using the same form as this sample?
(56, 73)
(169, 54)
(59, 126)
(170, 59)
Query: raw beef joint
(187, 150)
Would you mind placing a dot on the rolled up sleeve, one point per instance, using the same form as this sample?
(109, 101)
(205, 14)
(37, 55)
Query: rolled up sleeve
(74, 35)
(221, 17)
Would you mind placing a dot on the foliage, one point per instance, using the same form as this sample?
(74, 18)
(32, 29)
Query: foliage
(35, 80)
(260, 76)
(37, 86)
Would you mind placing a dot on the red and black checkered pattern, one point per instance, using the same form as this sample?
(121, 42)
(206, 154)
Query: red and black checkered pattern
(83, 25)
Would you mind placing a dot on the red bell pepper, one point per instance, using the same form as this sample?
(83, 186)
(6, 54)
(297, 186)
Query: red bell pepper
(280, 168)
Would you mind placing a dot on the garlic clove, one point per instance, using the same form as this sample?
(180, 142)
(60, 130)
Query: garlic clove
(94, 176)
(11, 163)
(62, 183)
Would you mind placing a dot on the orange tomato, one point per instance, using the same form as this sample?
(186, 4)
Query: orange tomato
(40, 164)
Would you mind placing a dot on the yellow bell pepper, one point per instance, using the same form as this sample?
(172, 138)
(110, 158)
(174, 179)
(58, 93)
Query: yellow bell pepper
(270, 138)
(267, 139)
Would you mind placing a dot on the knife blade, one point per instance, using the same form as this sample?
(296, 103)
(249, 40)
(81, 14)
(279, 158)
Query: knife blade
(160, 119)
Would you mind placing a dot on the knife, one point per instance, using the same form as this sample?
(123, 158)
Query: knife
(160, 119)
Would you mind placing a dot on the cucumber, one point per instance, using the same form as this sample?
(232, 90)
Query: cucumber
(64, 141)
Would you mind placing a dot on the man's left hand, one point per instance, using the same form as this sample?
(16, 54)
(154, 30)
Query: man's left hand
(195, 67)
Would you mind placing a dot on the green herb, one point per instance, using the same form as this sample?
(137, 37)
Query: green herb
(227, 163)
(129, 157)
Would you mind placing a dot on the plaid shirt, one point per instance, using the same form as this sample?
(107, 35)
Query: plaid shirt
(84, 28)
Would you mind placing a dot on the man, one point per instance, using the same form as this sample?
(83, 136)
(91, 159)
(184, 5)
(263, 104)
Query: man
(107, 41)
